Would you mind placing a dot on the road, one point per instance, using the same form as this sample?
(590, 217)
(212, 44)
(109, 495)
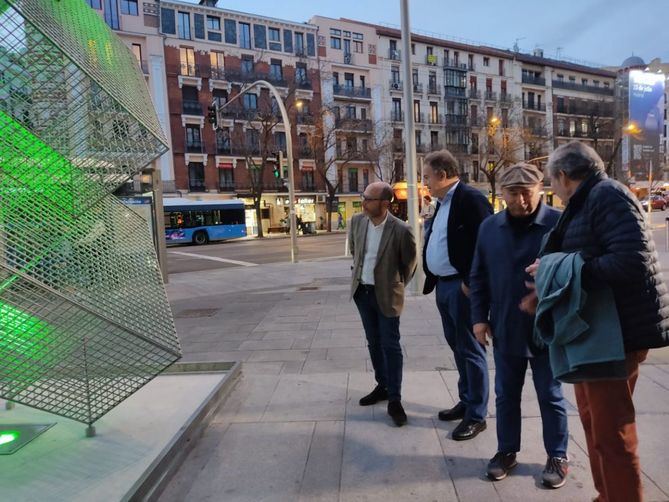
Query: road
(250, 252)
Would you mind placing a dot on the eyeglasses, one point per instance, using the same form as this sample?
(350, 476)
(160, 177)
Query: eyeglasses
(369, 199)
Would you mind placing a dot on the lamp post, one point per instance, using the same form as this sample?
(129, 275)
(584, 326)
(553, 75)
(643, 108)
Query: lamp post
(289, 151)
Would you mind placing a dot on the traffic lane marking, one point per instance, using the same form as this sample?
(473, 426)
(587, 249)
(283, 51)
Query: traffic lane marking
(214, 258)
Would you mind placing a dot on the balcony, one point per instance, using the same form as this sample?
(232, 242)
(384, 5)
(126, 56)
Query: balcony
(418, 88)
(535, 130)
(396, 85)
(433, 90)
(596, 109)
(303, 83)
(228, 186)
(529, 79)
(217, 73)
(453, 120)
(431, 59)
(419, 117)
(189, 70)
(193, 147)
(451, 63)
(395, 54)
(396, 116)
(348, 58)
(191, 108)
(196, 185)
(435, 119)
(353, 124)
(398, 145)
(305, 118)
(474, 94)
(352, 91)
(538, 107)
(561, 84)
(505, 97)
(277, 80)
(308, 186)
(456, 92)
(306, 152)
(490, 96)
(457, 148)
(223, 148)
(475, 121)
(422, 148)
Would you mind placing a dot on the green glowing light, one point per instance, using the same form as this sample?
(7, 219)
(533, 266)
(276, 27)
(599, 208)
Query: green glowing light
(8, 436)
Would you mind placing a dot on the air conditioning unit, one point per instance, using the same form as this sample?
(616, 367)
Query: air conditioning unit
(321, 198)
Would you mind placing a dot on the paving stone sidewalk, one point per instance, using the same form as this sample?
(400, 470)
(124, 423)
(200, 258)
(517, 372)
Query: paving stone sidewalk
(292, 428)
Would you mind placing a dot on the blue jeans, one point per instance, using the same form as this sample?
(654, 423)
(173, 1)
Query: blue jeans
(470, 356)
(383, 341)
(509, 378)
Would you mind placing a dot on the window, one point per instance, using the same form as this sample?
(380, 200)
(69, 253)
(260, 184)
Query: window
(112, 17)
(486, 61)
(572, 79)
(214, 23)
(335, 32)
(395, 73)
(434, 112)
(416, 111)
(414, 77)
(432, 82)
(275, 71)
(501, 67)
(348, 80)
(196, 177)
(456, 57)
(505, 117)
(584, 81)
(357, 36)
(184, 25)
(335, 42)
(245, 35)
(299, 43)
(96, 4)
(137, 51)
(280, 141)
(301, 73)
(230, 31)
(595, 83)
(247, 64)
(217, 60)
(226, 180)
(419, 138)
(365, 172)
(413, 49)
(560, 77)
(187, 59)
(471, 61)
(250, 101)
(347, 49)
(274, 39)
(193, 138)
(129, 7)
(363, 113)
(606, 85)
(353, 180)
(357, 47)
(350, 112)
(434, 140)
(475, 143)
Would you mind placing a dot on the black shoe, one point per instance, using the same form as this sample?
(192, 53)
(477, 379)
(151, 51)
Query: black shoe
(396, 412)
(468, 429)
(455, 413)
(555, 473)
(378, 394)
(500, 465)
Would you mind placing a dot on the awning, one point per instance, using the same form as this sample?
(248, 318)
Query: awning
(225, 165)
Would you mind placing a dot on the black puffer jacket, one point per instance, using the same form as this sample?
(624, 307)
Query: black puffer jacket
(607, 226)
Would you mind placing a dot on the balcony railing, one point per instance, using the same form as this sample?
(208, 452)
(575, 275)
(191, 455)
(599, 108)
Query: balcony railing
(422, 148)
(348, 58)
(419, 117)
(561, 84)
(529, 79)
(433, 90)
(537, 131)
(455, 120)
(302, 83)
(490, 96)
(223, 148)
(505, 97)
(457, 148)
(217, 73)
(308, 186)
(228, 186)
(306, 152)
(196, 185)
(394, 54)
(475, 121)
(189, 70)
(277, 80)
(540, 107)
(436, 119)
(353, 124)
(431, 59)
(193, 147)
(352, 91)
(396, 116)
(398, 145)
(418, 88)
(451, 63)
(456, 92)
(191, 108)
(305, 118)
(596, 110)
(474, 94)
(396, 85)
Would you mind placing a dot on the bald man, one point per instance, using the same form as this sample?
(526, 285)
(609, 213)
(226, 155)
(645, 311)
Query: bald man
(384, 260)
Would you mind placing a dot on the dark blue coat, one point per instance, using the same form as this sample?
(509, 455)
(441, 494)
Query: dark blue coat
(498, 276)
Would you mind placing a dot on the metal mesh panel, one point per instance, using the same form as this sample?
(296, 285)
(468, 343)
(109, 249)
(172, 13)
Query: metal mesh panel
(84, 319)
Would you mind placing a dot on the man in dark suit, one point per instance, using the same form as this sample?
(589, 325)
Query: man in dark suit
(447, 259)
(384, 260)
(508, 242)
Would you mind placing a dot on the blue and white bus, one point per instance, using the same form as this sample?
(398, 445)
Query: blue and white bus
(199, 222)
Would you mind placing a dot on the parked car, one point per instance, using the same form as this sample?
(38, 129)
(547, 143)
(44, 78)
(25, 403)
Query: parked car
(656, 201)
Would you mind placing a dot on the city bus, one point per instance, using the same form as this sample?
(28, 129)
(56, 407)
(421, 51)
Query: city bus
(200, 222)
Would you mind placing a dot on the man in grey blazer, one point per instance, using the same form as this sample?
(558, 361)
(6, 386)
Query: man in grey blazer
(384, 260)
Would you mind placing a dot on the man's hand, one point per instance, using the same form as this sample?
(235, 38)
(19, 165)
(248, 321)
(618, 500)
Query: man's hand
(481, 330)
(529, 302)
(465, 289)
(532, 269)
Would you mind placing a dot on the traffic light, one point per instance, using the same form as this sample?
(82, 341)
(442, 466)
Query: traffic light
(212, 116)
(277, 166)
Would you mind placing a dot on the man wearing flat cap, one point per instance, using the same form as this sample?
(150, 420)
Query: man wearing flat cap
(507, 243)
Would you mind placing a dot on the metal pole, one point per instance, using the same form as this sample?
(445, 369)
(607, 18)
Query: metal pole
(410, 142)
(289, 150)
(159, 221)
(650, 185)
(666, 234)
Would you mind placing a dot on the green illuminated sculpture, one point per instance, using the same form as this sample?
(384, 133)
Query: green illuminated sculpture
(84, 319)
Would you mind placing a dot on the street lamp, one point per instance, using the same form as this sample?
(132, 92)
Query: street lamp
(289, 151)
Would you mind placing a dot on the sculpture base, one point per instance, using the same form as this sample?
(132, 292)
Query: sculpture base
(137, 445)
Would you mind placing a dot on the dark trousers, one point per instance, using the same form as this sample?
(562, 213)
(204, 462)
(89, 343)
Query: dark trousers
(470, 356)
(509, 379)
(607, 414)
(383, 341)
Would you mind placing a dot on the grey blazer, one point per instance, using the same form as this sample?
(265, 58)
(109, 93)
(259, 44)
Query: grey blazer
(395, 261)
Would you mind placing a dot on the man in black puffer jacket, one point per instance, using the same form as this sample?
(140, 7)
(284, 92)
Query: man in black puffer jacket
(605, 223)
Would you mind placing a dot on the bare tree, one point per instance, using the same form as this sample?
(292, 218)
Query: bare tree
(386, 154)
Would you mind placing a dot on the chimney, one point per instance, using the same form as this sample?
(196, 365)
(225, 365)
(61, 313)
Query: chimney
(539, 52)
(209, 3)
